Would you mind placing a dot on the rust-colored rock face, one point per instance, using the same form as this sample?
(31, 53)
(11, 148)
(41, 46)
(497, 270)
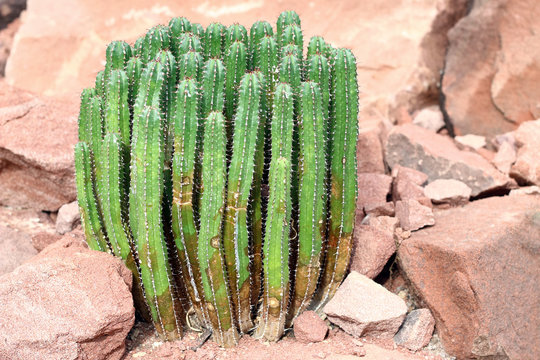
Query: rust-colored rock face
(68, 302)
(493, 67)
(477, 270)
(37, 136)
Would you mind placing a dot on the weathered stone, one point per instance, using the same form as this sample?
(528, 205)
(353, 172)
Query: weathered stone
(416, 330)
(413, 215)
(477, 271)
(15, 248)
(472, 141)
(407, 183)
(36, 150)
(386, 209)
(362, 307)
(438, 157)
(430, 118)
(374, 244)
(43, 239)
(448, 191)
(369, 149)
(68, 217)
(492, 67)
(526, 190)
(68, 302)
(526, 169)
(373, 190)
(505, 157)
(309, 327)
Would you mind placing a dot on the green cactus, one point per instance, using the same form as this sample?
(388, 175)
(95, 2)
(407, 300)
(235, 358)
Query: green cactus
(240, 178)
(145, 214)
(312, 196)
(343, 191)
(221, 169)
(275, 298)
(210, 254)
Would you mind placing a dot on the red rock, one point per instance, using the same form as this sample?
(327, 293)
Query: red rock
(386, 209)
(492, 68)
(526, 169)
(416, 331)
(6, 40)
(36, 150)
(15, 248)
(68, 217)
(362, 307)
(374, 244)
(43, 239)
(448, 191)
(438, 157)
(505, 157)
(430, 118)
(309, 327)
(413, 215)
(373, 190)
(68, 302)
(369, 149)
(407, 183)
(477, 270)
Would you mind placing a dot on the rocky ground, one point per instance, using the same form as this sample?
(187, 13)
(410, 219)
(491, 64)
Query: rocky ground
(447, 237)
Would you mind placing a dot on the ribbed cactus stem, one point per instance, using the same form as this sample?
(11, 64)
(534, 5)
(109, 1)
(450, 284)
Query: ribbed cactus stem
(318, 70)
(110, 181)
(235, 32)
(210, 251)
(258, 30)
(85, 117)
(285, 19)
(150, 89)
(145, 214)
(272, 313)
(236, 64)
(312, 196)
(316, 45)
(185, 118)
(292, 34)
(198, 30)
(96, 123)
(190, 66)
(177, 27)
(100, 83)
(155, 40)
(134, 69)
(343, 190)
(117, 54)
(241, 171)
(276, 254)
(188, 42)
(90, 217)
(117, 117)
(213, 87)
(213, 41)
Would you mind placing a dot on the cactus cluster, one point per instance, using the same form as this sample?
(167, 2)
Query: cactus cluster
(220, 165)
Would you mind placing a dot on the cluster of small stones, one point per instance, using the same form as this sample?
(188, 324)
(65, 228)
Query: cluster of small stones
(221, 168)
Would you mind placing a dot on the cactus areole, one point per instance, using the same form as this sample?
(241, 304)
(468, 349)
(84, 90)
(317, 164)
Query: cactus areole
(220, 165)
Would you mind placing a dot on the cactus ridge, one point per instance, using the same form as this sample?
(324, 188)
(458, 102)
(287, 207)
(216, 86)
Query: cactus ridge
(220, 166)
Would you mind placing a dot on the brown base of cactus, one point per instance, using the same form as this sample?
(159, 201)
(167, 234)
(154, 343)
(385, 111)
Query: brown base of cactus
(270, 329)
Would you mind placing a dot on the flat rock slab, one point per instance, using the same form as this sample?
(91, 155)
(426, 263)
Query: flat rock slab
(362, 307)
(68, 302)
(477, 270)
(439, 158)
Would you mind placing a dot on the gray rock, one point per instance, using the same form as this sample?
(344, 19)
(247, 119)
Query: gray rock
(416, 331)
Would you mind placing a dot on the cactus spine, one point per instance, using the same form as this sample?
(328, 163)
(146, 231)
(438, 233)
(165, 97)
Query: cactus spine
(220, 166)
